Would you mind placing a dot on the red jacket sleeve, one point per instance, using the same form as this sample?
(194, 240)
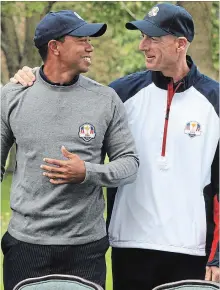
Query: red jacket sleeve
(214, 254)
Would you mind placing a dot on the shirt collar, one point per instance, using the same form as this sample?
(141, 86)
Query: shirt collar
(192, 76)
(72, 82)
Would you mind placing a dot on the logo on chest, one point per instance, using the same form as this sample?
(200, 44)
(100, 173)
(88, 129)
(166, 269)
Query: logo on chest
(87, 132)
(192, 129)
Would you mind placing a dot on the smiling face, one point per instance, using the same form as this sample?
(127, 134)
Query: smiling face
(160, 52)
(75, 53)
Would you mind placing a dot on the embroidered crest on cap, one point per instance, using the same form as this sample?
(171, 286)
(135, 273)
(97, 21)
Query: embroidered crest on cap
(77, 15)
(87, 132)
(153, 11)
(193, 129)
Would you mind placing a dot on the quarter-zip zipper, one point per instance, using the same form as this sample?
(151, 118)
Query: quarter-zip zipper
(170, 94)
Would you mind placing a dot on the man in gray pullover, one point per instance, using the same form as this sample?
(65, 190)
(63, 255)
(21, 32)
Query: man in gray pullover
(63, 126)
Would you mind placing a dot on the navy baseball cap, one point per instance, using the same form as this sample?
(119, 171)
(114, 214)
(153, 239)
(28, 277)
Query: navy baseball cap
(65, 22)
(164, 19)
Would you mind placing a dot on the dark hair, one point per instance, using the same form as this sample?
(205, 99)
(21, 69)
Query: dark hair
(43, 50)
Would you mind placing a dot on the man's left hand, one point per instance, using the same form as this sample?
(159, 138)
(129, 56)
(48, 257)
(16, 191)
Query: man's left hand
(65, 171)
(212, 274)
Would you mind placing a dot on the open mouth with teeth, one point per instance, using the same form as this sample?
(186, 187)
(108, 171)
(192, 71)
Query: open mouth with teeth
(149, 57)
(87, 59)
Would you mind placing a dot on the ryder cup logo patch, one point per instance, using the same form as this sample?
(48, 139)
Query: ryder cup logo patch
(87, 132)
(192, 129)
(153, 11)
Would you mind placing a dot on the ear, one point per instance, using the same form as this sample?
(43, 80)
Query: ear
(182, 44)
(53, 47)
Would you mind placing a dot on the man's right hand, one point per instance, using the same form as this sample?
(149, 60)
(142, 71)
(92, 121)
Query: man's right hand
(24, 76)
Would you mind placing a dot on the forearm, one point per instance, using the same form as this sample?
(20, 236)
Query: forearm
(214, 255)
(116, 173)
(5, 147)
(7, 139)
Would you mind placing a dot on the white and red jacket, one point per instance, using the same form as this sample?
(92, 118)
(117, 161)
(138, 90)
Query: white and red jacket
(170, 206)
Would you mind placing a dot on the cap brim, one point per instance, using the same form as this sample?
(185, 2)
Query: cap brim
(90, 29)
(146, 27)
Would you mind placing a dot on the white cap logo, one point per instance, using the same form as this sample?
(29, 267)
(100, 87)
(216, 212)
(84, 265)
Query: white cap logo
(153, 11)
(77, 15)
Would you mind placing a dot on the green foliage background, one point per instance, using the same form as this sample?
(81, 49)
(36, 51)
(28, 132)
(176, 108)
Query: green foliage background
(215, 34)
(116, 53)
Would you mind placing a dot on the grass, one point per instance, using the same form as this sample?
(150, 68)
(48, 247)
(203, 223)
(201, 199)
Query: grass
(5, 216)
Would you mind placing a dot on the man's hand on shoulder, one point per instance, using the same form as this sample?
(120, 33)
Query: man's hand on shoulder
(212, 274)
(24, 76)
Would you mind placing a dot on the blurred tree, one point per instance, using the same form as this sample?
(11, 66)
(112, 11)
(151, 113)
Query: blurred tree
(215, 34)
(113, 54)
(116, 53)
(18, 21)
(201, 49)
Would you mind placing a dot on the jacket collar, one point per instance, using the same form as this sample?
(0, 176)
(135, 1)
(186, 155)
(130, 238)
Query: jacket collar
(189, 80)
